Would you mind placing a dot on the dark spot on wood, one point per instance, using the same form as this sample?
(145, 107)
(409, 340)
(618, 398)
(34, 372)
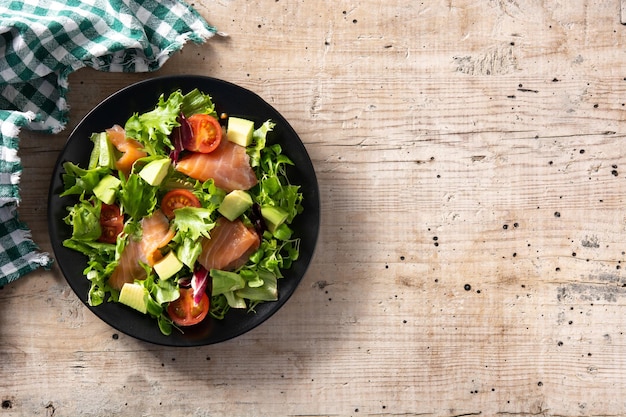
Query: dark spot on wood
(50, 409)
(590, 242)
(321, 284)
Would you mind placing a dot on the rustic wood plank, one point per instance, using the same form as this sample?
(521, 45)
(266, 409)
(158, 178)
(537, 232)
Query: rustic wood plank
(470, 260)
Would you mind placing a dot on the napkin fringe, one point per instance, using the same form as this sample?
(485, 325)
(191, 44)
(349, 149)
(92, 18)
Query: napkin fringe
(19, 239)
(42, 259)
(10, 178)
(13, 130)
(127, 60)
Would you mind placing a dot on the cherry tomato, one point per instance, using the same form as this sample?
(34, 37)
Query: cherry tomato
(178, 198)
(184, 312)
(207, 133)
(111, 223)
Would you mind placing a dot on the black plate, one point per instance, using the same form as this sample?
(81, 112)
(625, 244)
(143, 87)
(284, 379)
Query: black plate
(230, 99)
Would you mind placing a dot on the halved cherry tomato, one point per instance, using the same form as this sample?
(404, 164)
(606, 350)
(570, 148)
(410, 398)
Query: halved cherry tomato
(207, 133)
(184, 312)
(178, 198)
(111, 223)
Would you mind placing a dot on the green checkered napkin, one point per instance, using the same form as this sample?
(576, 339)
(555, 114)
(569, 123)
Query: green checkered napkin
(41, 43)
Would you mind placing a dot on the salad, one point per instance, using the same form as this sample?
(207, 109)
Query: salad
(182, 213)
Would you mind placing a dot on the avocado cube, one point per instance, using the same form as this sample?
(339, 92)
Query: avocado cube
(155, 171)
(107, 188)
(273, 216)
(240, 131)
(134, 296)
(235, 204)
(168, 266)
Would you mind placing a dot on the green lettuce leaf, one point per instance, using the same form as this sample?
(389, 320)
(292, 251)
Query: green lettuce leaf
(138, 198)
(193, 222)
(259, 138)
(225, 281)
(197, 102)
(188, 250)
(274, 188)
(152, 129)
(77, 180)
(84, 217)
(266, 292)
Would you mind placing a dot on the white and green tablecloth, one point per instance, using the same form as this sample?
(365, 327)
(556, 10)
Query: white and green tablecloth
(41, 43)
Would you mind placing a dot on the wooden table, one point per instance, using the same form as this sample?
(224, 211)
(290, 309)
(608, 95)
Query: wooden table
(472, 249)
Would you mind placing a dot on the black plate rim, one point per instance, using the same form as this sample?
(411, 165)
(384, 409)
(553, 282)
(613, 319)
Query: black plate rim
(312, 213)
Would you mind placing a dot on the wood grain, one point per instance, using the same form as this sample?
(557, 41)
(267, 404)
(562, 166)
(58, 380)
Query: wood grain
(472, 173)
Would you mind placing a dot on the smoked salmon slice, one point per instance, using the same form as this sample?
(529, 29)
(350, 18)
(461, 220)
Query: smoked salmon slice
(130, 149)
(156, 233)
(229, 247)
(228, 166)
